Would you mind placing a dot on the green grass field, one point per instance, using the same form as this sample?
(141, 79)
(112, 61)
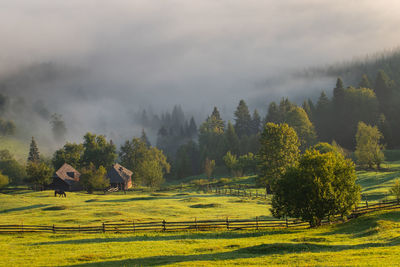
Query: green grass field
(371, 240)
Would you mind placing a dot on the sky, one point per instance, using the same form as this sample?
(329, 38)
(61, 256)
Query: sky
(118, 56)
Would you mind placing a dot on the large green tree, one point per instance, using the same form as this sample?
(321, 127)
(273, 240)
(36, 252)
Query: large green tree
(93, 178)
(98, 150)
(71, 153)
(369, 148)
(320, 186)
(279, 151)
(135, 154)
(39, 174)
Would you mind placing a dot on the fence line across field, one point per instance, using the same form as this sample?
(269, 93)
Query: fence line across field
(197, 225)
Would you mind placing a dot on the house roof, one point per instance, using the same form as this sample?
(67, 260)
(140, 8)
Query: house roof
(119, 174)
(68, 174)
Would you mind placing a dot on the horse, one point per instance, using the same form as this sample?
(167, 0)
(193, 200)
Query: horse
(59, 192)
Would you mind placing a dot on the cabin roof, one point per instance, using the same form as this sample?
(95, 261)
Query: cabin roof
(68, 174)
(119, 174)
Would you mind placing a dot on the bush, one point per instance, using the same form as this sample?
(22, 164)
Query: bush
(3, 180)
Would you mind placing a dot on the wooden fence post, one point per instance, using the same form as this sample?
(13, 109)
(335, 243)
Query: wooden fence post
(164, 225)
(227, 223)
(257, 223)
(54, 229)
(287, 224)
(104, 228)
(195, 224)
(133, 225)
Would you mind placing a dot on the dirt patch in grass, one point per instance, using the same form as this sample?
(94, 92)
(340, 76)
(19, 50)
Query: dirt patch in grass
(201, 206)
(61, 207)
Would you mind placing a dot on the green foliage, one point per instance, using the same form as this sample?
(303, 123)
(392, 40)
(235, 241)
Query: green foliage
(212, 142)
(93, 178)
(15, 171)
(39, 173)
(232, 140)
(279, 151)
(243, 120)
(321, 185)
(33, 152)
(144, 138)
(135, 155)
(5, 154)
(98, 151)
(395, 190)
(209, 166)
(232, 163)
(187, 162)
(296, 118)
(3, 180)
(153, 173)
(71, 153)
(369, 150)
(365, 83)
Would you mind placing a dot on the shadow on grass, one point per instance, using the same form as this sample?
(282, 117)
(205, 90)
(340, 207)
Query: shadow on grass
(364, 225)
(243, 253)
(24, 208)
(155, 198)
(161, 237)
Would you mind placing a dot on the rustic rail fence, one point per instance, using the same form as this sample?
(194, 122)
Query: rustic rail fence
(194, 225)
(240, 192)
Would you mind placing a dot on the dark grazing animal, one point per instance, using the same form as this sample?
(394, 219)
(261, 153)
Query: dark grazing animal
(59, 192)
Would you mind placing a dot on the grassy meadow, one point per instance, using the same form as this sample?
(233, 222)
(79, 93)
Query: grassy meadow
(372, 239)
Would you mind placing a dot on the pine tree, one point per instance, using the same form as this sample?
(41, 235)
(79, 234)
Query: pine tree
(255, 122)
(192, 127)
(322, 118)
(33, 152)
(232, 139)
(242, 119)
(384, 92)
(273, 113)
(338, 94)
(144, 138)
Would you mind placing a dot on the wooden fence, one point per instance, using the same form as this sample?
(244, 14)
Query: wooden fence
(240, 192)
(195, 225)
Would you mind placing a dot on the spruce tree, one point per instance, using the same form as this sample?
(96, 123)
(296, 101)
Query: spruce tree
(144, 138)
(33, 152)
(338, 94)
(242, 119)
(255, 122)
(232, 140)
(384, 92)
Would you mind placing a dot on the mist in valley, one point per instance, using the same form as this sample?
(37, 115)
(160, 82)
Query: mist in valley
(100, 63)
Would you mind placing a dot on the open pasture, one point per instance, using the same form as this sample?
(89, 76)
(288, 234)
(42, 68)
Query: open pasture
(43, 208)
(372, 239)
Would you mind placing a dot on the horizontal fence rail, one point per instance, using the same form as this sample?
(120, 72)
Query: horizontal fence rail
(197, 225)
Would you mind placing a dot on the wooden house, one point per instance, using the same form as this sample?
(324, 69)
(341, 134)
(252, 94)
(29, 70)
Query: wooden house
(120, 177)
(66, 178)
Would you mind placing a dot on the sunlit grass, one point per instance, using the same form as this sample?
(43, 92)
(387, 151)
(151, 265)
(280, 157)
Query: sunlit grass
(370, 240)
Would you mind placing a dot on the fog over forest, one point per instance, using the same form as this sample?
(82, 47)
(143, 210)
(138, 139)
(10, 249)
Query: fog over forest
(98, 63)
